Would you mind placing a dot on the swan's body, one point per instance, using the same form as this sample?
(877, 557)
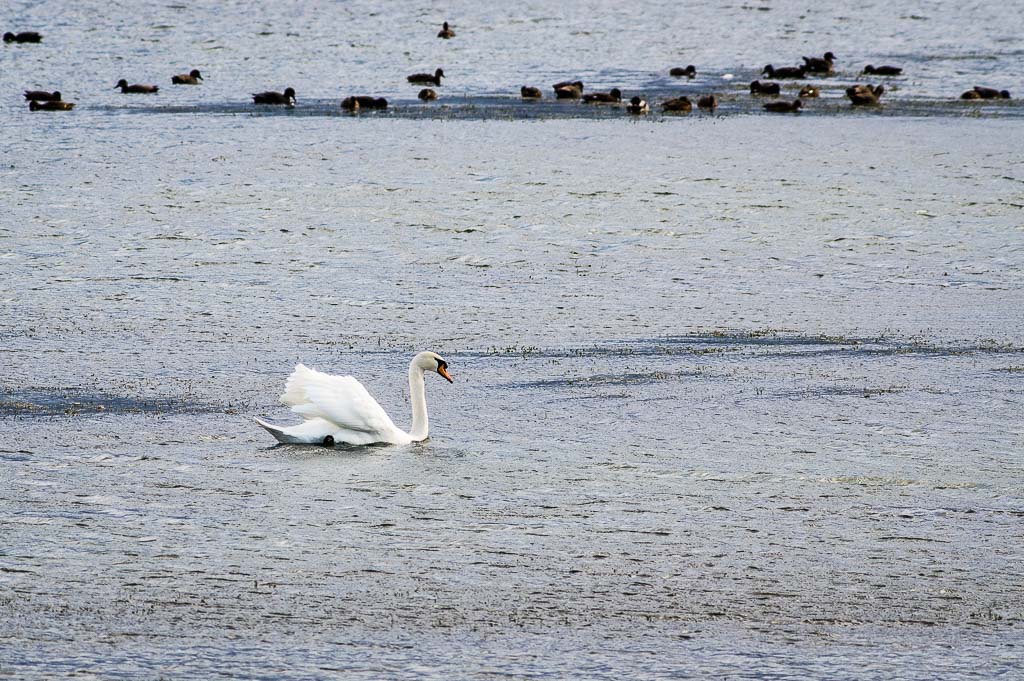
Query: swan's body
(339, 409)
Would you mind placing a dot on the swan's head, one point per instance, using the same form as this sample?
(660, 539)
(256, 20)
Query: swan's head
(431, 361)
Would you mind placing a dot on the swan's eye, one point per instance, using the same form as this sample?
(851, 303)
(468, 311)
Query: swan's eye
(442, 368)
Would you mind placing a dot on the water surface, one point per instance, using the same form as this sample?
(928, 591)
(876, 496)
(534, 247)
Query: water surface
(734, 395)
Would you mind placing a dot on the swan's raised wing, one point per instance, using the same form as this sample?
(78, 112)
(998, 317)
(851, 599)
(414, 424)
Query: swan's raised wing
(340, 399)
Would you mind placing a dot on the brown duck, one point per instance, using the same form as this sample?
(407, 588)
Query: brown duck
(363, 102)
(824, 64)
(991, 92)
(568, 89)
(286, 98)
(688, 72)
(759, 88)
(446, 32)
(127, 89)
(191, 78)
(784, 107)
(810, 91)
(882, 70)
(427, 95)
(865, 95)
(785, 71)
(426, 78)
(709, 102)
(678, 105)
(530, 92)
(22, 37)
(50, 106)
(42, 95)
(613, 96)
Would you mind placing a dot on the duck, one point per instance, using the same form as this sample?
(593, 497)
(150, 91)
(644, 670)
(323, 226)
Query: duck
(22, 37)
(191, 78)
(991, 92)
(759, 88)
(785, 71)
(363, 102)
(568, 92)
(42, 95)
(688, 72)
(286, 98)
(637, 105)
(709, 102)
(678, 105)
(370, 102)
(784, 107)
(613, 96)
(427, 95)
(446, 32)
(530, 92)
(810, 91)
(882, 70)
(339, 409)
(426, 78)
(568, 89)
(52, 105)
(127, 89)
(865, 95)
(822, 64)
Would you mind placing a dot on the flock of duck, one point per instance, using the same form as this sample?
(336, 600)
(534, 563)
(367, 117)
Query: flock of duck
(859, 94)
(824, 66)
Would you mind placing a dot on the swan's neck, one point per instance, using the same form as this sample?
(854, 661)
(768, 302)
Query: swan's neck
(420, 422)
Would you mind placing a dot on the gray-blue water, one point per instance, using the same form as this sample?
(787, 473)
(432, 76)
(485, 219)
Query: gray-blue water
(735, 396)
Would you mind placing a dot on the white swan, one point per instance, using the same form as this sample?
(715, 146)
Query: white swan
(339, 409)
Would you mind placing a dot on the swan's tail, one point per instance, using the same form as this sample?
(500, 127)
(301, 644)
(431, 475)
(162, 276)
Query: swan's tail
(278, 432)
(309, 432)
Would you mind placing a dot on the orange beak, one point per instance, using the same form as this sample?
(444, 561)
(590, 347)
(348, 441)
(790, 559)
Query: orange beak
(444, 372)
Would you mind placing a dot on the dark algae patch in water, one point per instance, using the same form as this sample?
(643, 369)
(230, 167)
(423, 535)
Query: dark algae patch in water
(73, 402)
(509, 108)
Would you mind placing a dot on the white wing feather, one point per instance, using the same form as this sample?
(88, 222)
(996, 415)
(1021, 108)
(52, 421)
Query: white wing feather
(341, 400)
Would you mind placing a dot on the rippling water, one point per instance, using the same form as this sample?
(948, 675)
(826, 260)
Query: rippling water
(735, 396)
